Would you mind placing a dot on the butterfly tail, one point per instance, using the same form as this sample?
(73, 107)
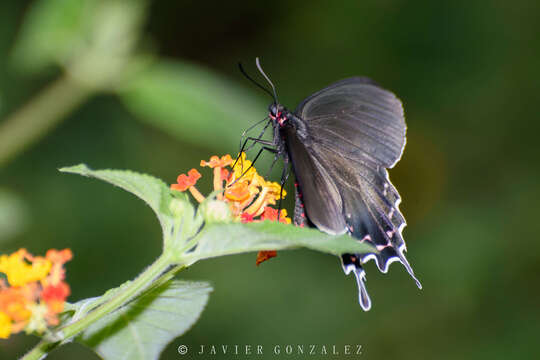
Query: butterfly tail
(350, 263)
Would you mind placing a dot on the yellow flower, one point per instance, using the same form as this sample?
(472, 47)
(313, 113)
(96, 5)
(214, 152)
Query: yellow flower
(275, 190)
(19, 272)
(5, 326)
(241, 169)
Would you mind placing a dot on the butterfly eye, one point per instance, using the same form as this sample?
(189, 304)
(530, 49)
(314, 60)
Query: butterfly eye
(273, 110)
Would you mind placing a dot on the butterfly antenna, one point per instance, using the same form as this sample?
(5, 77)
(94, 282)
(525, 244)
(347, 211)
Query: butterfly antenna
(267, 79)
(252, 80)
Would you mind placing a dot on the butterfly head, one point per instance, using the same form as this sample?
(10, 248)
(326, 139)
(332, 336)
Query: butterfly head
(278, 114)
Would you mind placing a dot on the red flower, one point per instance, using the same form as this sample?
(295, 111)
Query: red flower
(55, 296)
(246, 218)
(272, 215)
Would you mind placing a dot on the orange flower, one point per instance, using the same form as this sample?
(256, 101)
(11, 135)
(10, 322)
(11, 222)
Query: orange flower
(224, 174)
(218, 164)
(14, 302)
(248, 194)
(36, 292)
(265, 255)
(238, 192)
(58, 259)
(245, 190)
(187, 182)
(215, 161)
(184, 182)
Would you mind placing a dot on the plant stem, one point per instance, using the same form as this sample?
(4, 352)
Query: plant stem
(32, 121)
(141, 283)
(40, 351)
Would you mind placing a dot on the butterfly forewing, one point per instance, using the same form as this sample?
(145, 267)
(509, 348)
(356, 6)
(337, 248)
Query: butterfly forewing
(315, 180)
(361, 116)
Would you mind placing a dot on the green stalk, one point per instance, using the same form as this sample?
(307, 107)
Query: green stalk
(141, 283)
(32, 121)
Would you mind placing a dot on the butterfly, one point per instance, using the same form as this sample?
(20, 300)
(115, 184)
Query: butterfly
(340, 142)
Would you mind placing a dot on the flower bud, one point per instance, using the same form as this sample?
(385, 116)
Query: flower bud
(216, 211)
(178, 207)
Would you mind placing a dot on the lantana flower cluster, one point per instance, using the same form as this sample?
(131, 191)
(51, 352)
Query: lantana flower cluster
(249, 196)
(32, 291)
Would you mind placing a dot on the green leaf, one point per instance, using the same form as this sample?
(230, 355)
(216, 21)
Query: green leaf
(216, 238)
(192, 103)
(227, 239)
(93, 38)
(151, 190)
(144, 327)
(52, 30)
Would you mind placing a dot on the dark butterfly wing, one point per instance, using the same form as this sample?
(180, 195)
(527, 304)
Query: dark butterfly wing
(315, 179)
(363, 117)
(354, 131)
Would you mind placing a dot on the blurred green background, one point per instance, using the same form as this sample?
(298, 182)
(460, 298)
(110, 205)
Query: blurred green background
(155, 88)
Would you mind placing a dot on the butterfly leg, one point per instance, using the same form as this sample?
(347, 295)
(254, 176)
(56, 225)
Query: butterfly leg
(266, 143)
(272, 150)
(243, 142)
(276, 157)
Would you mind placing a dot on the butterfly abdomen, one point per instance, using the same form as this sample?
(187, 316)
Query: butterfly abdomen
(300, 219)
